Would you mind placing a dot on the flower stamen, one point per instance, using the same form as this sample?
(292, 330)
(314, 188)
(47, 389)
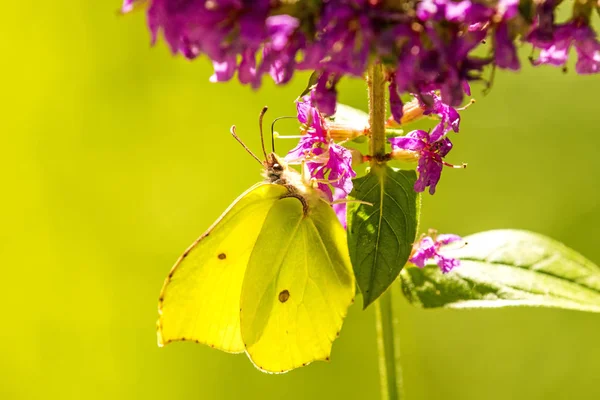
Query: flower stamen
(462, 166)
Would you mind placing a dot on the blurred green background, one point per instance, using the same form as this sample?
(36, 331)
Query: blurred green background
(115, 156)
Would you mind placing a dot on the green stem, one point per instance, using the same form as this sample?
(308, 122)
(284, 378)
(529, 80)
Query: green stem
(388, 346)
(376, 85)
(387, 343)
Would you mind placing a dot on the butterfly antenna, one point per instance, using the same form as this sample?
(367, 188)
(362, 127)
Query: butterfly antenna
(273, 130)
(235, 136)
(260, 125)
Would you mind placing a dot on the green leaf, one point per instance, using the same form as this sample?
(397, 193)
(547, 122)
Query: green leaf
(380, 236)
(503, 268)
(312, 81)
(394, 132)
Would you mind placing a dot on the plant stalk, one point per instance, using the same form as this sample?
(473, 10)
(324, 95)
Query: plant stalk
(376, 86)
(388, 347)
(387, 342)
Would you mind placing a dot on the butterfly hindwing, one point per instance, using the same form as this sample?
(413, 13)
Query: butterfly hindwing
(200, 300)
(297, 288)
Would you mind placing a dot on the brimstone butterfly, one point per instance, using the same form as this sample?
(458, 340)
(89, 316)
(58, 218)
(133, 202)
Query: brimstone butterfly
(271, 277)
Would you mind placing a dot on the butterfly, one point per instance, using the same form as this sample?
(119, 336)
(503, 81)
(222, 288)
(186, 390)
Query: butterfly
(271, 277)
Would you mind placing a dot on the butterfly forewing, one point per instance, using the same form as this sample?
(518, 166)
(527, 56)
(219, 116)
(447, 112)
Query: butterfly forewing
(200, 300)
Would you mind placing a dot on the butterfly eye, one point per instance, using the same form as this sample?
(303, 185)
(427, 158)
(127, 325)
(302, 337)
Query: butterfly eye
(277, 167)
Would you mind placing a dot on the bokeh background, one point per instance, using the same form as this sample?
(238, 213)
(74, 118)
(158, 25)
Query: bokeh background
(115, 156)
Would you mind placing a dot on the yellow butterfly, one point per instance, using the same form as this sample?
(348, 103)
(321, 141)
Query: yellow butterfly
(271, 277)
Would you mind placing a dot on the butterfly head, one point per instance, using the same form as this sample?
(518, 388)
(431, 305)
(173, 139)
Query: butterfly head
(276, 169)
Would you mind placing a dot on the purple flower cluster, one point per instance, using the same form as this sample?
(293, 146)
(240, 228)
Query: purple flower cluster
(428, 248)
(429, 47)
(425, 46)
(329, 164)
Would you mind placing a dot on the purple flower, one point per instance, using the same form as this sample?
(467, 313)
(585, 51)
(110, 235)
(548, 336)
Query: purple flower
(544, 25)
(448, 65)
(396, 105)
(279, 53)
(201, 26)
(423, 104)
(555, 46)
(346, 35)
(462, 11)
(449, 116)
(506, 9)
(222, 29)
(324, 94)
(428, 248)
(433, 60)
(458, 67)
(430, 153)
(315, 131)
(329, 163)
(505, 53)
(223, 71)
